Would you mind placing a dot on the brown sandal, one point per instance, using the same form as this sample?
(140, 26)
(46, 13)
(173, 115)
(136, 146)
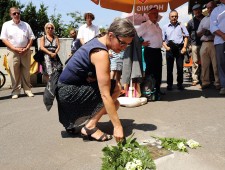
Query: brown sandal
(88, 137)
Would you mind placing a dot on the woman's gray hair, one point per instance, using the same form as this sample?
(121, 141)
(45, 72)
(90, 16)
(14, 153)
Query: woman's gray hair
(122, 27)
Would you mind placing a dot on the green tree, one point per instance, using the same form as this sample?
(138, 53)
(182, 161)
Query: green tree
(58, 23)
(42, 19)
(102, 29)
(29, 15)
(77, 19)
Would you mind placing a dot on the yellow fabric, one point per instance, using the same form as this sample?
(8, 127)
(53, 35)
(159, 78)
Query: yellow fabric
(33, 65)
(5, 64)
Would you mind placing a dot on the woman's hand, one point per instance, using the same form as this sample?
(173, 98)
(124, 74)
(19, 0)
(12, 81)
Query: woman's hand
(118, 133)
(52, 55)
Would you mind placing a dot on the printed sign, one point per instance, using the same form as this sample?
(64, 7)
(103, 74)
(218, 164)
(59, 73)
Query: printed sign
(162, 7)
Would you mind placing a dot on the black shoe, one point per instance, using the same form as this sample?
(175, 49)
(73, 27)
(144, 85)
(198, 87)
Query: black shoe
(169, 88)
(88, 137)
(73, 129)
(180, 87)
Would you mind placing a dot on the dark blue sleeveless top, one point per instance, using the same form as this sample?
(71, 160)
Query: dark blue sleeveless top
(79, 66)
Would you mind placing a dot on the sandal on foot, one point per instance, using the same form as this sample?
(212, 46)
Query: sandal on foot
(73, 129)
(88, 137)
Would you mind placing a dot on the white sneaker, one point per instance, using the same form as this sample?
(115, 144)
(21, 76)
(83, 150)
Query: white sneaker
(29, 94)
(222, 91)
(15, 96)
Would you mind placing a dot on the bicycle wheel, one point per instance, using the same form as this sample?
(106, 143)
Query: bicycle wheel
(2, 79)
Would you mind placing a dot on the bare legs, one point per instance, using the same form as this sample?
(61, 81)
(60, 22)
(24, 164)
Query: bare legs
(92, 123)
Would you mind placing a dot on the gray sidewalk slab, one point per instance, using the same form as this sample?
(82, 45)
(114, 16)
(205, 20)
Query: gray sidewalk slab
(32, 138)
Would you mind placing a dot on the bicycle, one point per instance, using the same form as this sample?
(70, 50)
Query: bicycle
(2, 76)
(2, 79)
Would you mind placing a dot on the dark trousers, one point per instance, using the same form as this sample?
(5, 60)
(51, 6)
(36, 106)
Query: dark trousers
(153, 60)
(170, 57)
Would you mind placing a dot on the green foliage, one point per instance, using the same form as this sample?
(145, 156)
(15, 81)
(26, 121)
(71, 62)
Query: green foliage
(173, 144)
(102, 29)
(42, 19)
(77, 19)
(29, 11)
(117, 157)
(59, 27)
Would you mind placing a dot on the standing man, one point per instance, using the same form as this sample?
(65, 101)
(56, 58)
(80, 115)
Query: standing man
(152, 35)
(87, 31)
(217, 27)
(192, 28)
(207, 51)
(75, 45)
(175, 39)
(18, 37)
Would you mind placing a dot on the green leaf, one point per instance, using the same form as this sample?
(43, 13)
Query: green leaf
(116, 157)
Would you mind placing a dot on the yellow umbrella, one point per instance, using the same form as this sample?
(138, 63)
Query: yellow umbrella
(139, 6)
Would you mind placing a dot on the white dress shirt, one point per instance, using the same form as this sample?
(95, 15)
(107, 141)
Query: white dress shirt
(151, 32)
(17, 34)
(217, 22)
(87, 32)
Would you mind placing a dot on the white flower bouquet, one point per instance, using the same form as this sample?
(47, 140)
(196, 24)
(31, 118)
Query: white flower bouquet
(127, 155)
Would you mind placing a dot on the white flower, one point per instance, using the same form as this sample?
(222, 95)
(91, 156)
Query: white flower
(181, 146)
(193, 144)
(127, 149)
(135, 164)
(130, 166)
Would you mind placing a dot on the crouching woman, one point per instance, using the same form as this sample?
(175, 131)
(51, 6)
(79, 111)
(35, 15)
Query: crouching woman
(85, 91)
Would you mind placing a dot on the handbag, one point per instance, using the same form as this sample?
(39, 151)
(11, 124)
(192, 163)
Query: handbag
(39, 56)
(33, 66)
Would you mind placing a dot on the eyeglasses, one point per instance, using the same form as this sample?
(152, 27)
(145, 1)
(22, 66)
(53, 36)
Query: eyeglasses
(122, 44)
(16, 13)
(50, 28)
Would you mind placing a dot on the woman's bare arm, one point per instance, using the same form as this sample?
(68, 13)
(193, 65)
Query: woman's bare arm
(102, 65)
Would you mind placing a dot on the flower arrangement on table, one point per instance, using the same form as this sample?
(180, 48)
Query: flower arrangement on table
(127, 155)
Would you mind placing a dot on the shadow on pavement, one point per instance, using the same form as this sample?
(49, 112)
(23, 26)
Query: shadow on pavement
(128, 125)
(107, 127)
(176, 94)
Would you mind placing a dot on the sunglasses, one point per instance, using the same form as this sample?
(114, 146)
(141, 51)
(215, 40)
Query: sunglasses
(16, 13)
(50, 28)
(122, 44)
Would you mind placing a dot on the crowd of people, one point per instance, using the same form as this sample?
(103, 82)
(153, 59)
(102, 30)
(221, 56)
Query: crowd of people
(91, 82)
